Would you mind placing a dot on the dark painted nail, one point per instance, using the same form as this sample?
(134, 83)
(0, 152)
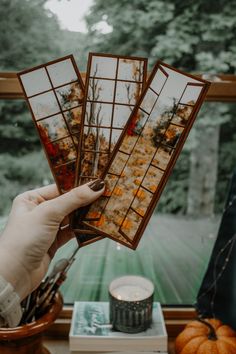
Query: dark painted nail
(96, 185)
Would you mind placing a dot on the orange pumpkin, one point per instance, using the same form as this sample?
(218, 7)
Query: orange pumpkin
(208, 336)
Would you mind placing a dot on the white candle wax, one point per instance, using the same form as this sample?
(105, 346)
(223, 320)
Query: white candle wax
(130, 293)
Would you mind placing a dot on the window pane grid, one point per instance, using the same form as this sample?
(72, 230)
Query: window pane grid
(155, 138)
(106, 109)
(54, 92)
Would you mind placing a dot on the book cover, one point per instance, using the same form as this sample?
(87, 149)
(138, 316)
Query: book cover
(91, 331)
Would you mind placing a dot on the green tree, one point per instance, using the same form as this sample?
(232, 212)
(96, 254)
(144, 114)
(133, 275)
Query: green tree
(196, 36)
(29, 35)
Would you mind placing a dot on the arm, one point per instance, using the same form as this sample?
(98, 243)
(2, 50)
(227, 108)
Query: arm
(33, 234)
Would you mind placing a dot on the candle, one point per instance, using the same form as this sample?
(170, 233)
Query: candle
(131, 300)
(130, 293)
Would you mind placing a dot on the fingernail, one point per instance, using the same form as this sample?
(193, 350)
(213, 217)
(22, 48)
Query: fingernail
(96, 185)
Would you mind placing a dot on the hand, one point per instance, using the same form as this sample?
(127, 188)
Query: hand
(33, 232)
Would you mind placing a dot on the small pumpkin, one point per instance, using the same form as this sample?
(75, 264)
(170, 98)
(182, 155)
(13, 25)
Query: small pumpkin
(208, 336)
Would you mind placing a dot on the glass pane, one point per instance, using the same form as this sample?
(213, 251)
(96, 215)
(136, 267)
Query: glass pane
(61, 151)
(70, 96)
(62, 73)
(182, 114)
(73, 119)
(103, 67)
(131, 224)
(114, 137)
(127, 92)
(52, 128)
(36, 82)
(131, 70)
(101, 90)
(142, 200)
(44, 105)
(98, 114)
(148, 101)
(96, 138)
(121, 115)
(65, 174)
(158, 81)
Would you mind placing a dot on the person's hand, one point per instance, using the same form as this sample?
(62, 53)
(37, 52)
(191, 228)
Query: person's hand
(33, 232)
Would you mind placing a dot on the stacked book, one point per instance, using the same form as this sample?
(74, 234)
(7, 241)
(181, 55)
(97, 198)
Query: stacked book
(91, 332)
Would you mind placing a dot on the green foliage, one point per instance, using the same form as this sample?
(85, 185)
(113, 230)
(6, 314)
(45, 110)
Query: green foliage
(17, 130)
(20, 173)
(29, 34)
(174, 196)
(134, 25)
(193, 35)
(197, 36)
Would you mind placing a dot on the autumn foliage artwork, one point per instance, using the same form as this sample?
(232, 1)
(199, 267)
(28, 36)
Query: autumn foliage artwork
(146, 153)
(118, 127)
(113, 86)
(55, 93)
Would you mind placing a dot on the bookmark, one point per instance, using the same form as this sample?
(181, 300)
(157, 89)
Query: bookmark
(55, 92)
(113, 86)
(146, 153)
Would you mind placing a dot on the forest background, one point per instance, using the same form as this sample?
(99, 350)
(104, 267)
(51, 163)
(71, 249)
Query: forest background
(196, 36)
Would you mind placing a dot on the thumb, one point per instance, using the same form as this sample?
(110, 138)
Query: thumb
(78, 197)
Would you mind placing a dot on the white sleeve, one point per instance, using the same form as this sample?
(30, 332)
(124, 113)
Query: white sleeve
(10, 309)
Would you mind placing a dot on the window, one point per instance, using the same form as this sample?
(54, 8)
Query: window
(183, 229)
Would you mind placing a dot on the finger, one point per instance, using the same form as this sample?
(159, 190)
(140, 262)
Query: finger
(29, 200)
(74, 199)
(47, 192)
(38, 195)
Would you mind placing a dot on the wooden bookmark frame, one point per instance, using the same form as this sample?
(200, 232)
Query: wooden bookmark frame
(55, 93)
(146, 153)
(113, 86)
(111, 92)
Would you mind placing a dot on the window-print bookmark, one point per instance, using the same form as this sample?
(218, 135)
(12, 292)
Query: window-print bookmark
(146, 153)
(113, 86)
(55, 93)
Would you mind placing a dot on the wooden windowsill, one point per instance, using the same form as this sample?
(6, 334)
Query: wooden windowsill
(223, 90)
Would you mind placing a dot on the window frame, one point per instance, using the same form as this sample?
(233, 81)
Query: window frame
(223, 89)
